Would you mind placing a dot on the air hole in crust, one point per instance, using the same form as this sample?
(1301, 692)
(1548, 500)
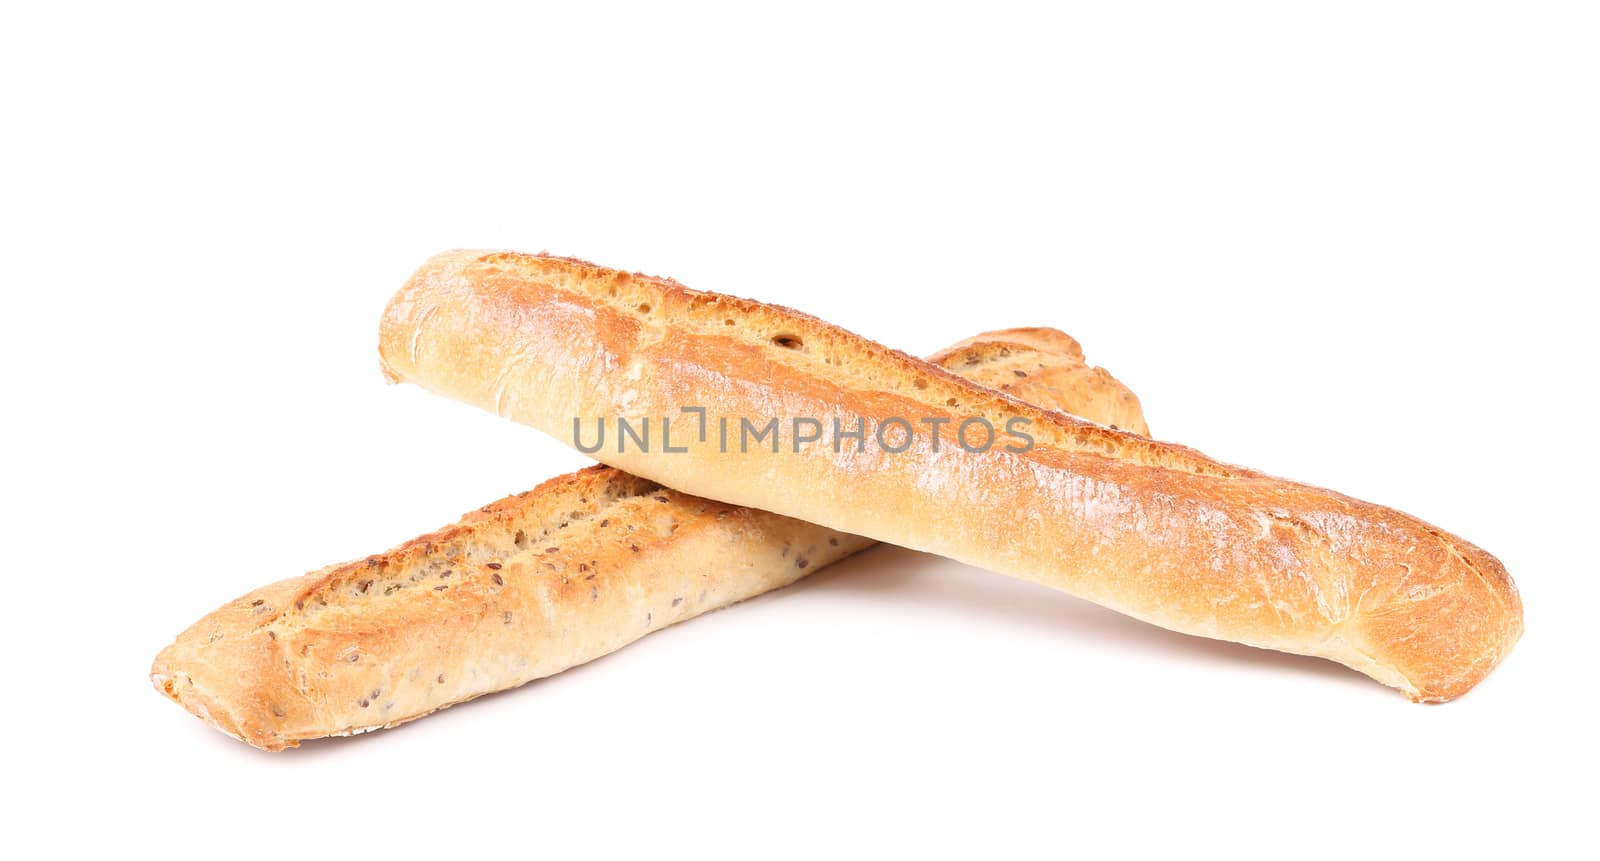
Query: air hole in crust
(921, 382)
(644, 308)
(788, 342)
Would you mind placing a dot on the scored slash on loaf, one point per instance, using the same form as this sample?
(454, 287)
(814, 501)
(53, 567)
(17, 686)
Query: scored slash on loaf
(536, 583)
(1151, 529)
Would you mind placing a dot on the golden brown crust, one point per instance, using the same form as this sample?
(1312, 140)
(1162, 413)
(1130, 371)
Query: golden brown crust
(517, 590)
(1152, 529)
(1019, 363)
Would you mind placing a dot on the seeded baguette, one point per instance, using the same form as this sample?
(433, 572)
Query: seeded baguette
(535, 583)
(1152, 529)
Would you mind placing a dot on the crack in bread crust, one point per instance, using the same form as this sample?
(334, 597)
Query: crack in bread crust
(649, 303)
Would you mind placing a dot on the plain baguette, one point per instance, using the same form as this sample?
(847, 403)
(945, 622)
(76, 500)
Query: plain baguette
(535, 583)
(1151, 529)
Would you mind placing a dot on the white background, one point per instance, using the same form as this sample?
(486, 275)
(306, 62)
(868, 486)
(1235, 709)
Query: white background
(1350, 243)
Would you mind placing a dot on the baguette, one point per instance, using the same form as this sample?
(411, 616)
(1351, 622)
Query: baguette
(533, 584)
(1151, 529)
